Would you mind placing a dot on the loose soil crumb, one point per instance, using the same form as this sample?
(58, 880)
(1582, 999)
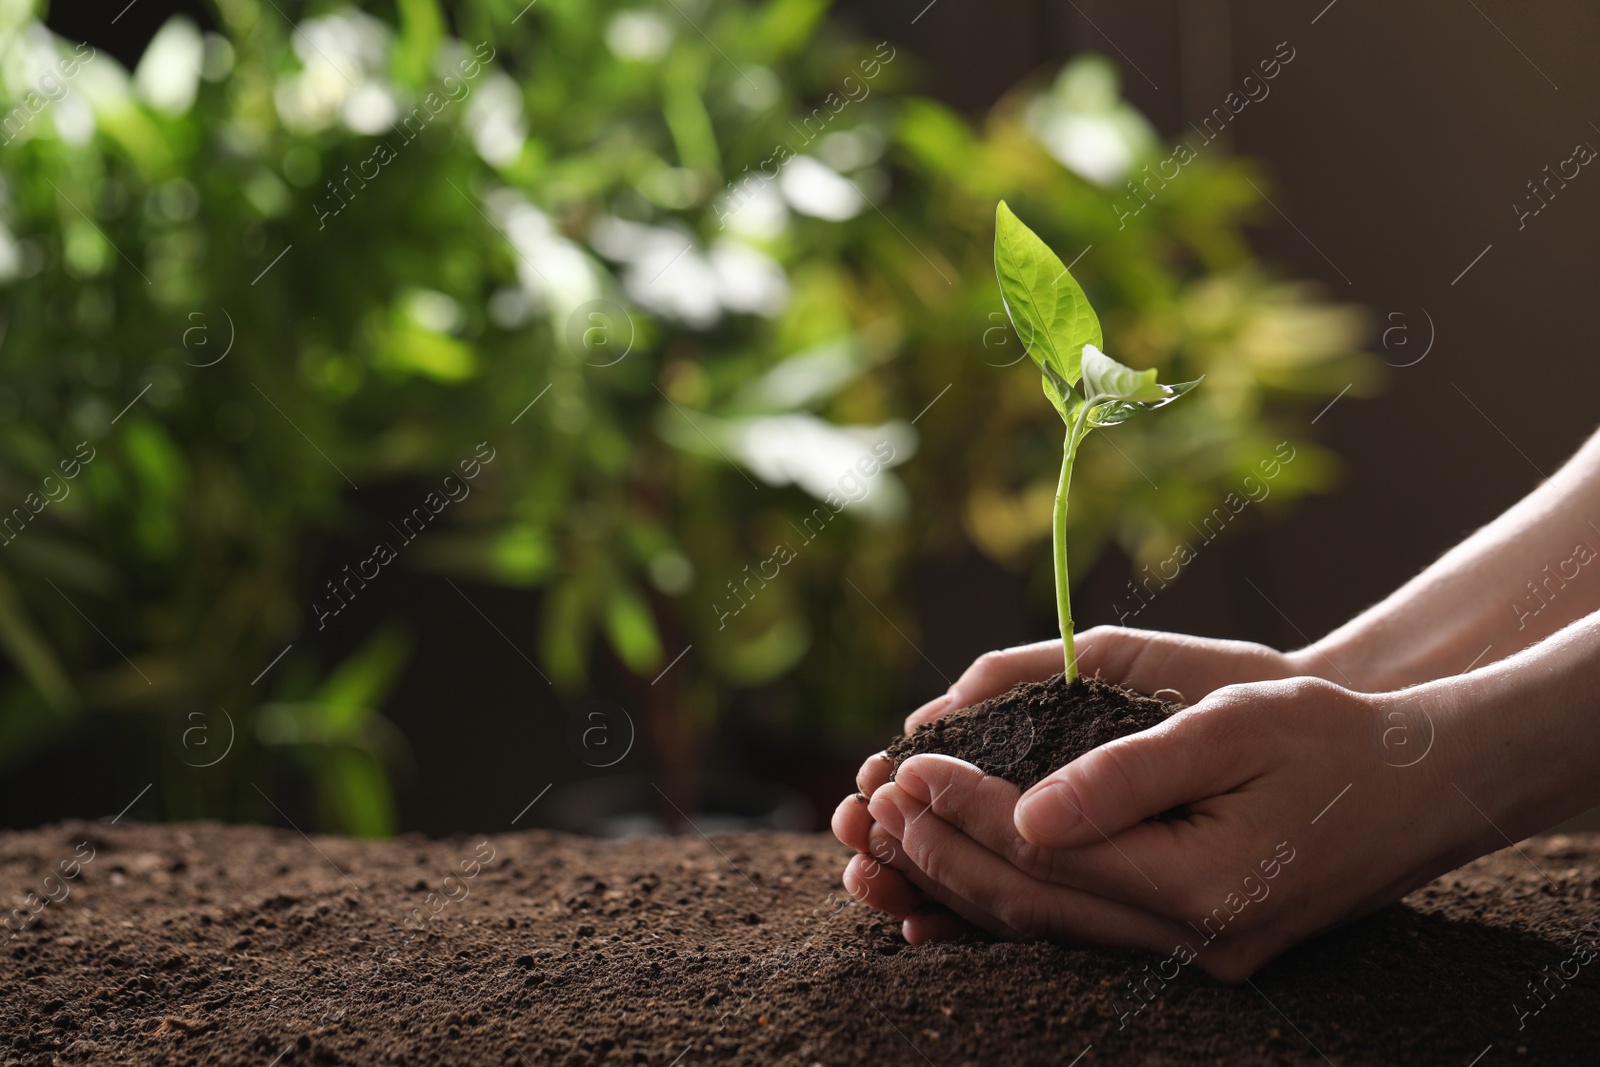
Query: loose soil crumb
(203, 944)
(1035, 728)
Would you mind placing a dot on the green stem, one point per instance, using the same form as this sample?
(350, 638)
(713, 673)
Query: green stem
(1069, 453)
(1059, 529)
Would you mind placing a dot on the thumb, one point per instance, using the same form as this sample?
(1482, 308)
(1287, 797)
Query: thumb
(1126, 781)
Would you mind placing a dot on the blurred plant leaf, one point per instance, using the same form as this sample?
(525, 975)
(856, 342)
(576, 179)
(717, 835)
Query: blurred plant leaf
(421, 31)
(354, 793)
(28, 725)
(631, 629)
(31, 652)
(361, 684)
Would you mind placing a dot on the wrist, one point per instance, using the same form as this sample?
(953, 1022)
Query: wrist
(1339, 664)
(1480, 794)
(1514, 742)
(1440, 772)
(1372, 658)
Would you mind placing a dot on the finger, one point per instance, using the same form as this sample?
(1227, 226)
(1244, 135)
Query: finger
(874, 772)
(887, 845)
(1148, 661)
(851, 821)
(1185, 759)
(934, 923)
(881, 887)
(990, 675)
(1027, 905)
(982, 807)
(979, 805)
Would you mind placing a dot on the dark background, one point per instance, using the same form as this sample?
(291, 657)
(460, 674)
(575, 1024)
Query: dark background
(1397, 142)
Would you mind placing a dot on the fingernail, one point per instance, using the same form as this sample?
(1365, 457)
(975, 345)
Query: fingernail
(1047, 815)
(908, 780)
(886, 812)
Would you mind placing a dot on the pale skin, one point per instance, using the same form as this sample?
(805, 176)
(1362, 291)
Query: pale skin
(1445, 722)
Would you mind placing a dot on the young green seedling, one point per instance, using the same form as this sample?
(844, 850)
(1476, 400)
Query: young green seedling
(1061, 333)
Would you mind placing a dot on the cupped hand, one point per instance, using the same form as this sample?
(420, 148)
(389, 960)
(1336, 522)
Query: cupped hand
(1147, 661)
(1292, 821)
(1182, 667)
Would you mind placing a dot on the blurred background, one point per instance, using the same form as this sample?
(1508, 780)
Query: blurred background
(443, 416)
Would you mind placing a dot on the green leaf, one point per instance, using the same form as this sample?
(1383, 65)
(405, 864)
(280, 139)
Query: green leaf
(422, 27)
(937, 137)
(789, 24)
(1051, 315)
(768, 653)
(1120, 411)
(1106, 379)
(565, 629)
(360, 685)
(354, 794)
(632, 630)
(1060, 394)
(31, 653)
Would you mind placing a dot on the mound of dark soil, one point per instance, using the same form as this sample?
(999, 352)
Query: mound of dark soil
(204, 944)
(1035, 728)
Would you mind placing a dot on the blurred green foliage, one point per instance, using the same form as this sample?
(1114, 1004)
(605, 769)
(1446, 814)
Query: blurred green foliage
(281, 261)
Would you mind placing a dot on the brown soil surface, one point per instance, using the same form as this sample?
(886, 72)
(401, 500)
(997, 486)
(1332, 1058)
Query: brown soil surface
(204, 944)
(1035, 728)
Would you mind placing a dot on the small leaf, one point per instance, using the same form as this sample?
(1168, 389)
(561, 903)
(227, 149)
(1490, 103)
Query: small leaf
(1106, 379)
(1051, 315)
(1120, 411)
(359, 685)
(422, 27)
(1060, 394)
(31, 653)
(631, 629)
(354, 794)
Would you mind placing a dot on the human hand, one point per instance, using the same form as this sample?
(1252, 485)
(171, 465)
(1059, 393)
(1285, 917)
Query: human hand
(1292, 822)
(1147, 661)
(1144, 660)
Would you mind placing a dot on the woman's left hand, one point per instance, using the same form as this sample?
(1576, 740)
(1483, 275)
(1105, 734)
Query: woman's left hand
(1298, 812)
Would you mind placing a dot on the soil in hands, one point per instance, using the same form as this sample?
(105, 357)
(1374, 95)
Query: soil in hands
(1035, 728)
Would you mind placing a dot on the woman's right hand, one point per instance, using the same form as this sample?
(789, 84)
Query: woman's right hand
(1147, 661)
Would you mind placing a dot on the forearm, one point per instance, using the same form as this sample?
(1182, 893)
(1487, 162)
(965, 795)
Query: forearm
(1520, 740)
(1519, 579)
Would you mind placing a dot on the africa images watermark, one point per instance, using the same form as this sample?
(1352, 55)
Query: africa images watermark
(55, 891)
(852, 487)
(32, 504)
(430, 107)
(1541, 592)
(1211, 526)
(741, 189)
(1581, 957)
(1255, 890)
(1582, 154)
(1254, 89)
(412, 526)
(50, 88)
